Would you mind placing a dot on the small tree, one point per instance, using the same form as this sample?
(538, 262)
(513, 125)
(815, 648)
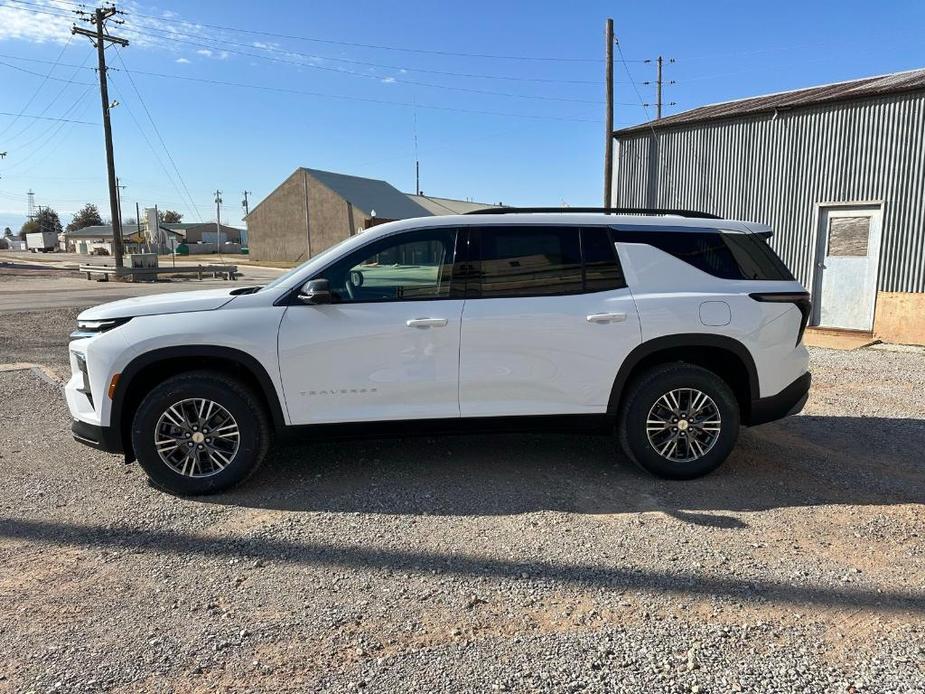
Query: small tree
(7, 233)
(87, 216)
(170, 217)
(31, 226)
(45, 220)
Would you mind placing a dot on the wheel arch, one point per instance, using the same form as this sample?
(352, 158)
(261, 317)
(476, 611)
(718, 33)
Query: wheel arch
(725, 356)
(151, 368)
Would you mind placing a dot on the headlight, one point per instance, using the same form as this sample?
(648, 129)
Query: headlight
(89, 328)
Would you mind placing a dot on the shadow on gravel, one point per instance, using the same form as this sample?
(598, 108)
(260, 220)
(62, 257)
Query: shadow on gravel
(806, 460)
(365, 558)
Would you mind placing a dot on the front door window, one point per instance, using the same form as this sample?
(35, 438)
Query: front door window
(411, 266)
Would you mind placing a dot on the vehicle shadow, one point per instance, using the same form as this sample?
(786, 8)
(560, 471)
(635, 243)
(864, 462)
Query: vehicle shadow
(805, 460)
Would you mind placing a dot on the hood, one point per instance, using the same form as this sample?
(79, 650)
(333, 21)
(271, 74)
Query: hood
(175, 302)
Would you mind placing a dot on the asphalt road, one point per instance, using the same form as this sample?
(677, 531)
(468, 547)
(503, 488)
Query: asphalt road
(37, 286)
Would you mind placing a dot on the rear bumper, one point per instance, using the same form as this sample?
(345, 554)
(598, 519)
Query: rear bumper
(102, 438)
(787, 402)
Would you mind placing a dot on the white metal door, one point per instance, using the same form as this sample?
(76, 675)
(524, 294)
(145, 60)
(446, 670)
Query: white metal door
(387, 347)
(364, 362)
(544, 355)
(846, 269)
(530, 343)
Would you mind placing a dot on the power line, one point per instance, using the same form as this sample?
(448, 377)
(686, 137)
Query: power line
(172, 34)
(46, 62)
(147, 140)
(377, 78)
(158, 133)
(37, 89)
(52, 131)
(642, 103)
(39, 74)
(333, 42)
(70, 80)
(65, 120)
(362, 99)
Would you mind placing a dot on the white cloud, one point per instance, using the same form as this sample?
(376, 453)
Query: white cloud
(19, 22)
(50, 21)
(182, 61)
(388, 80)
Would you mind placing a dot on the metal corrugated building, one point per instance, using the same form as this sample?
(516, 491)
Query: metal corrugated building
(837, 170)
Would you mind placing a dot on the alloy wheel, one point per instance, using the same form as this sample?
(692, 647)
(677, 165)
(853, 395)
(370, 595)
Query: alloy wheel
(196, 437)
(683, 425)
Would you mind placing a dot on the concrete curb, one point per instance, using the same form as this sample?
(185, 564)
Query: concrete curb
(46, 373)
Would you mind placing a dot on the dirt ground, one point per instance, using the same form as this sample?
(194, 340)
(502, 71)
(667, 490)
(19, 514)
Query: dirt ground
(534, 562)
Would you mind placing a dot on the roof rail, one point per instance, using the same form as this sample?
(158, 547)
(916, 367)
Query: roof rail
(600, 210)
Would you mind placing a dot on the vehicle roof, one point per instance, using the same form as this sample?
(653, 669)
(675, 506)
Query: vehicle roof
(635, 222)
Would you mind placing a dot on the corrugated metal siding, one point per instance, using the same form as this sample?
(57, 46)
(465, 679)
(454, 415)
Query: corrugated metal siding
(776, 169)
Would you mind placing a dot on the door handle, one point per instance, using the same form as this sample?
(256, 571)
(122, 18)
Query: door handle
(426, 322)
(607, 318)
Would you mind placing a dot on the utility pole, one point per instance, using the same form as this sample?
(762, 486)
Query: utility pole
(218, 221)
(608, 118)
(119, 189)
(30, 196)
(138, 227)
(659, 62)
(247, 211)
(658, 90)
(100, 38)
(417, 177)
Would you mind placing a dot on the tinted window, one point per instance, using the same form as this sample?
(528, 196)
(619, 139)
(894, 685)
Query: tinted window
(602, 269)
(731, 256)
(413, 265)
(529, 261)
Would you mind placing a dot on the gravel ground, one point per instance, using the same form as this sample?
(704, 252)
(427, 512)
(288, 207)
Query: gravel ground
(471, 564)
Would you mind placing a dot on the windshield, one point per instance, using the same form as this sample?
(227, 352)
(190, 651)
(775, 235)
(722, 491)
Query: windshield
(282, 279)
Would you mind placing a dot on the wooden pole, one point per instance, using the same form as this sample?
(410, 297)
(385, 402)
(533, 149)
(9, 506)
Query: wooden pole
(608, 118)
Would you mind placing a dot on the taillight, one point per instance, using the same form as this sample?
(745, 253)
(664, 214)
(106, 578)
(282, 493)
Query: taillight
(798, 299)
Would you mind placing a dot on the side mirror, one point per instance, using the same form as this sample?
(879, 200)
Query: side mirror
(315, 292)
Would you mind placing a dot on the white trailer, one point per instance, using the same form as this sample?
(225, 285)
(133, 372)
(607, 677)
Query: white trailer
(43, 241)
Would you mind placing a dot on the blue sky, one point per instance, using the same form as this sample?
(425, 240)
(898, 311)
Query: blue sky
(425, 68)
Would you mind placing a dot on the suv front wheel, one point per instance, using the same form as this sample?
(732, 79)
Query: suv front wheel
(679, 421)
(200, 432)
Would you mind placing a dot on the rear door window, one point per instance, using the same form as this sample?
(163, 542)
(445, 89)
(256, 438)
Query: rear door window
(528, 261)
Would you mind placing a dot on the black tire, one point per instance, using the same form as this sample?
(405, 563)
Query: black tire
(237, 399)
(646, 390)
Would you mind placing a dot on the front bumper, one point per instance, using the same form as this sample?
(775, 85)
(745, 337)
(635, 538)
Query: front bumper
(102, 438)
(788, 402)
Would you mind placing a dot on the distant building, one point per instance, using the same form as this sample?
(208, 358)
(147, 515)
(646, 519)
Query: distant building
(312, 210)
(838, 171)
(134, 237)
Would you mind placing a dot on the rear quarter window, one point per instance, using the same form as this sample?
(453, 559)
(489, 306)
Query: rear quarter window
(727, 255)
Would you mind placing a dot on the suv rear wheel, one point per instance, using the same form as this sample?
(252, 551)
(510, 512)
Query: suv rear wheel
(200, 432)
(679, 421)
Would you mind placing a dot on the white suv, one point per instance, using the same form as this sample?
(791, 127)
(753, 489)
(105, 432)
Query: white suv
(670, 329)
